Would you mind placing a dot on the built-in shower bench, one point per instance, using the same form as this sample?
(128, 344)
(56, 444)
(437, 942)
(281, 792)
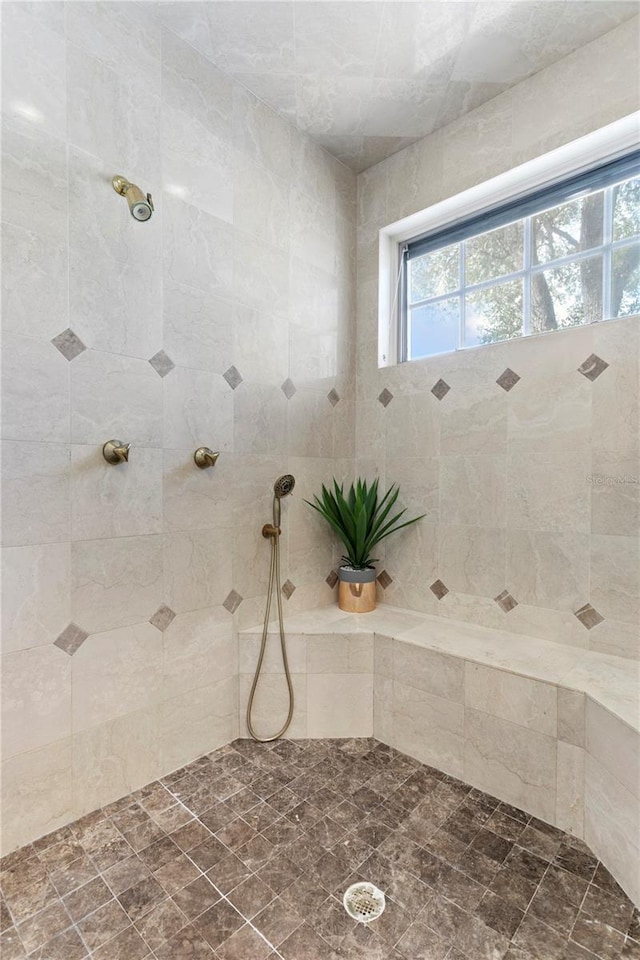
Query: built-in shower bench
(550, 728)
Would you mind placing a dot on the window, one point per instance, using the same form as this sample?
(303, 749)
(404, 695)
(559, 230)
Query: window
(562, 256)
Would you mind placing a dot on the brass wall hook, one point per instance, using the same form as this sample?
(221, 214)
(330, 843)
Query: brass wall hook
(204, 457)
(115, 451)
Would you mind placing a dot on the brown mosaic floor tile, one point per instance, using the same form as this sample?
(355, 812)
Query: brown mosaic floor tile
(466, 877)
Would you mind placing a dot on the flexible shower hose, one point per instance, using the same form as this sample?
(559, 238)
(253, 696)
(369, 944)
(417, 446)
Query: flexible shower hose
(274, 580)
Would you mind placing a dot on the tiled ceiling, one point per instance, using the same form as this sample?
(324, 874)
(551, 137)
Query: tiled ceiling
(365, 79)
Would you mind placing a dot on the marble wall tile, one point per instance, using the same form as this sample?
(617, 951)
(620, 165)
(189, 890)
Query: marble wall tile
(259, 419)
(36, 699)
(548, 569)
(337, 655)
(261, 205)
(115, 673)
(115, 581)
(472, 559)
(614, 744)
(571, 716)
(199, 649)
(549, 493)
(383, 726)
(383, 655)
(35, 493)
(261, 345)
(33, 86)
(195, 87)
(552, 415)
(197, 722)
(117, 34)
(271, 704)
(310, 424)
(194, 498)
(34, 181)
(612, 825)
(35, 391)
(259, 132)
(340, 705)
(198, 410)
(526, 702)
(617, 638)
(115, 758)
(197, 572)
(121, 500)
(511, 762)
(36, 594)
(115, 397)
(615, 496)
(35, 269)
(37, 793)
(615, 577)
(198, 248)
(426, 670)
(429, 728)
(314, 297)
(569, 814)
(473, 490)
(198, 328)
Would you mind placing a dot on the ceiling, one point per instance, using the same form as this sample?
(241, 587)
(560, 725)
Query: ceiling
(367, 77)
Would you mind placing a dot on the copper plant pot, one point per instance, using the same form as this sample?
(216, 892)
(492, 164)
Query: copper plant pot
(357, 590)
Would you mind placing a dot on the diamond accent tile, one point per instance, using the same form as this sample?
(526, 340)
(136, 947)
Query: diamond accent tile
(233, 377)
(588, 616)
(385, 397)
(71, 639)
(288, 388)
(69, 344)
(333, 397)
(384, 579)
(440, 389)
(162, 363)
(232, 602)
(505, 601)
(508, 379)
(439, 589)
(593, 367)
(332, 579)
(162, 617)
(288, 589)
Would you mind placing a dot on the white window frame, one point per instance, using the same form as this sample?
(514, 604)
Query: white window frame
(602, 145)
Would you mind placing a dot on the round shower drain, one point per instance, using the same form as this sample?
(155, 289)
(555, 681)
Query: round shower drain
(364, 902)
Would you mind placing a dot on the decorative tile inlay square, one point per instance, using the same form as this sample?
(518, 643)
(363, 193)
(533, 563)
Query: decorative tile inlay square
(232, 602)
(505, 601)
(439, 589)
(288, 388)
(384, 579)
(288, 589)
(69, 344)
(385, 397)
(440, 389)
(332, 579)
(162, 363)
(333, 397)
(593, 367)
(589, 616)
(71, 639)
(162, 617)
(233, 377)
(508, 379)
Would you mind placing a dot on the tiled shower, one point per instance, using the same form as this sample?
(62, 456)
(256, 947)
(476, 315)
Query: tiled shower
(243, 317)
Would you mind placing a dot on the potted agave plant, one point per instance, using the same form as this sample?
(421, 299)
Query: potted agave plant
(361, 519)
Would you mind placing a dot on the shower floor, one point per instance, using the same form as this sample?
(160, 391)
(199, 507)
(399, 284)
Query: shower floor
(244, 855)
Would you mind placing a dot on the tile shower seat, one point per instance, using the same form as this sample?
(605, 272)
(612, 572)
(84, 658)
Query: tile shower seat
(552, 729)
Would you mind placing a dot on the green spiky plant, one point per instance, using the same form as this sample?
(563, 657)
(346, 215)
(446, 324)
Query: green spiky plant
(360, 518)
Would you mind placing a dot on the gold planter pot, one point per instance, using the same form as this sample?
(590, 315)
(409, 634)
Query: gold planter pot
(357, 590)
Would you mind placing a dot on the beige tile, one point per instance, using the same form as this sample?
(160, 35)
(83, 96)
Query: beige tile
(383, 655)
(471, 559)
(36, 699)
(428, 728)
(35, 493)
(35, 391)
(271, 704)
(571, 716)
(194, 498)
(340, 705)
(615, 577)
(114, 758)
(116, 581)
(528, 703)
(36, 793)
(199, 649)
(435, 673)
(569, 813)
(340, 654)
(116, 673)
(196, 568)
(615, 497)
(549, 492)
(614, 744)
(383, 725)
(612, 826)
(548, 569)
(249, 650)
(36, 594)
(413, 426)
(473, 490)
(550, 415)
(511, 762)
(197, 722)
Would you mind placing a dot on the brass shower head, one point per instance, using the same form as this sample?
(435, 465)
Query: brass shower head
(141, 206)
(284, 485)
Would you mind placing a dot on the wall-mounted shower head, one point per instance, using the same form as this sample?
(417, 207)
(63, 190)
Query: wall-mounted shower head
(283, 486)
(141, 206)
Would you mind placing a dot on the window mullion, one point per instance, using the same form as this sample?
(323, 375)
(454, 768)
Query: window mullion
(462, 264)
(607, 239)
(526, 286)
